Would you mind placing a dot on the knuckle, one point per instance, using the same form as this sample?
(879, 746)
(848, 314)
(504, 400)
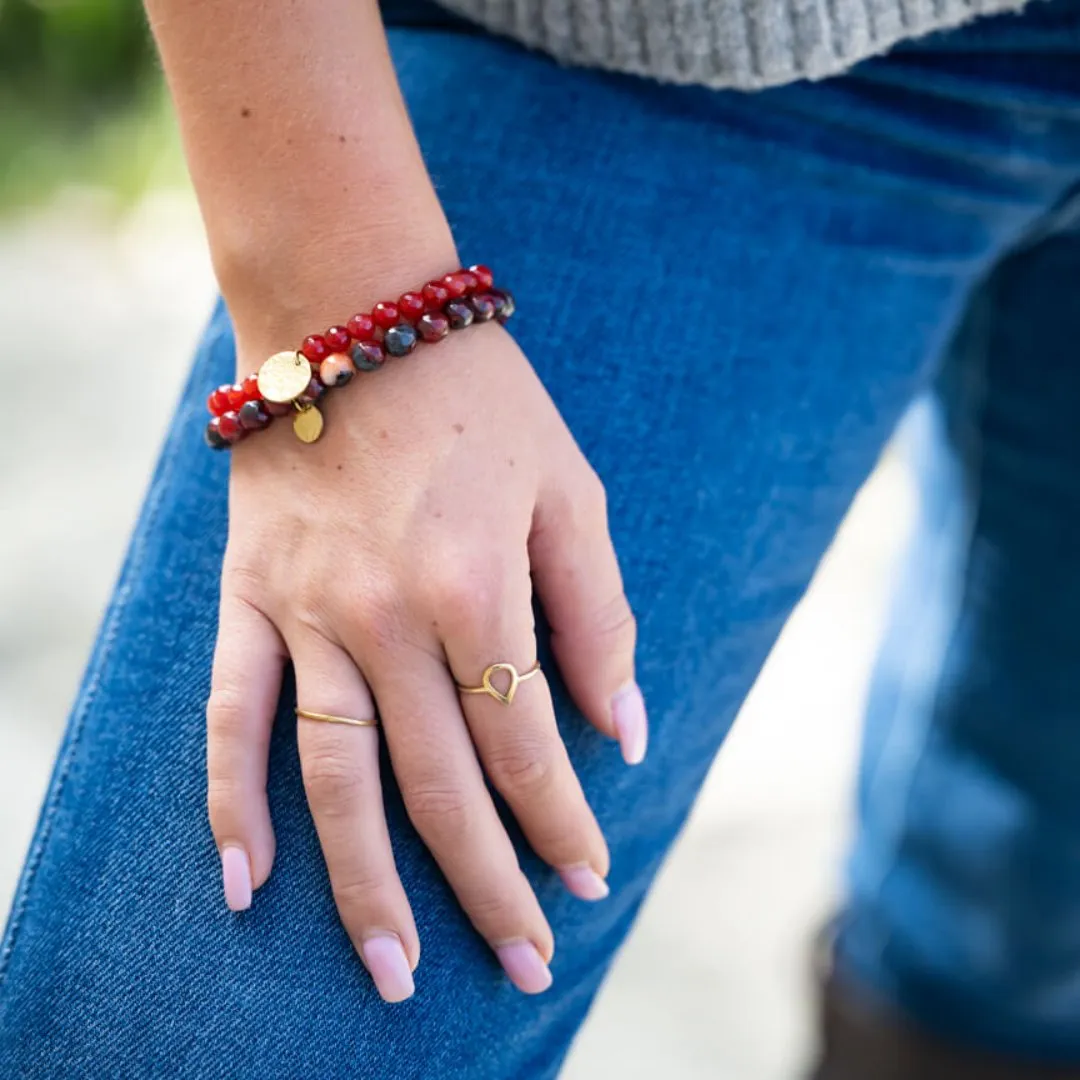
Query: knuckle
(224, 797)
(333, 781)
(616, 620)
(467, 598)
(378, 609)
(496, 905)
(226, 713)
(593, 495)
(523, 769)
(358, 895)
(437, 807)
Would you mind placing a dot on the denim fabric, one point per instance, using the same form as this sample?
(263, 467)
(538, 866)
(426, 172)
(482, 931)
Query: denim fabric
(733, 300)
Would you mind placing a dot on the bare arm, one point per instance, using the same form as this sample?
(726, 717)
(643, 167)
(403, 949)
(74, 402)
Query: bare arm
(308, 174)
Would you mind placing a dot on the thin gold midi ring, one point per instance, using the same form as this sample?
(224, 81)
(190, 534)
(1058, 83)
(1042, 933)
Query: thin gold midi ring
(488, 687)
(326, 718)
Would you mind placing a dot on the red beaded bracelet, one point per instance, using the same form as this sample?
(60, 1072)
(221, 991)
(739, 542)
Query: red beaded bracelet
(292, 382)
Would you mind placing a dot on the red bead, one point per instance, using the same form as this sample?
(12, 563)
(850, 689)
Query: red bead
(236, 396)
(455, 285)
(315, 348)
(483, 275)
(218, 401)
(251, 388)
(411, 306)
(362, 327)
(337, 338)
(472, 282)
(386, 314)
(229, 427)
(435, 295)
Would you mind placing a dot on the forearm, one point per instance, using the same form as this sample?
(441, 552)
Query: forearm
(308, 174)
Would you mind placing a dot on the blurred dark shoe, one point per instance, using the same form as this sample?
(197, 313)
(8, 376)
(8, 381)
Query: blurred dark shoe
(864, 1038)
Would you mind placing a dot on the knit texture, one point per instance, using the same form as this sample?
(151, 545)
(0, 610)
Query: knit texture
(742, 44)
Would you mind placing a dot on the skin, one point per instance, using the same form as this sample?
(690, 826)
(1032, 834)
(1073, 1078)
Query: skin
(317, 203)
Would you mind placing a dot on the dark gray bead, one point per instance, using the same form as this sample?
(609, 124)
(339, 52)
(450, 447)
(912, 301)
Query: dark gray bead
(459, 313)
(400, 340)
(483, 307)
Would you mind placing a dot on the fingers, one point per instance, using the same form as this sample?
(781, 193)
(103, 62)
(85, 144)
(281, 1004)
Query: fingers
(444, 793)
(340, 766)
(519, 743)
(246, 680)
(593, 629)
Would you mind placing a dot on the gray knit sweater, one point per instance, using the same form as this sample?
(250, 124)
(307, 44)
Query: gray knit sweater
(746, 44)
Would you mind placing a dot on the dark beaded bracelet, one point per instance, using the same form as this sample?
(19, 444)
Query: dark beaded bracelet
(290, 383)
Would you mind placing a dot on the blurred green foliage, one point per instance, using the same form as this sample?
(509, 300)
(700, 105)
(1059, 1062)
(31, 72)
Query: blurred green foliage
(80, 98)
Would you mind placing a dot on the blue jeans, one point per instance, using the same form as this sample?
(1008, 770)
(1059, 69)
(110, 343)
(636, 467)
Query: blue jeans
(766, 283)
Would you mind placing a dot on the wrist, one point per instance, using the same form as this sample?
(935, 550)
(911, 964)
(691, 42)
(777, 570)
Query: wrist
(279, 283)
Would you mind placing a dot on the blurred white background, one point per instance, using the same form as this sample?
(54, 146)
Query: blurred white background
(715, 980)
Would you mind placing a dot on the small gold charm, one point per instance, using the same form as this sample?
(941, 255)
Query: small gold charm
(308, 424)
(284, 376)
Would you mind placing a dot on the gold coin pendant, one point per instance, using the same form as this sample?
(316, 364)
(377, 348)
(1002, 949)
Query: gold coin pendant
(308, 424)
(284, 376)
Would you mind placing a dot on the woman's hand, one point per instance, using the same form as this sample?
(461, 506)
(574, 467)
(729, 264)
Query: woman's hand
(392, 558)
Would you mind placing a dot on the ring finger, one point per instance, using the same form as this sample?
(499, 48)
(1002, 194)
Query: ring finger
(340, 766)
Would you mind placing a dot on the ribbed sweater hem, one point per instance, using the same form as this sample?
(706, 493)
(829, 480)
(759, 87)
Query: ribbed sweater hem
(736, 44)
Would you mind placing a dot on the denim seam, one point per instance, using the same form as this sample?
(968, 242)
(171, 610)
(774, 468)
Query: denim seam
(133, 565)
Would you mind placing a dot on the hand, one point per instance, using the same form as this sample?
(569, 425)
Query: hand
(389, 560)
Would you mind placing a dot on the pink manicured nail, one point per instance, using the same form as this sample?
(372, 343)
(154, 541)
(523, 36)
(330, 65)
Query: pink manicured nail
(628, 714)
(525, 966)
(236, 877)
(389, 967)
(584, 882)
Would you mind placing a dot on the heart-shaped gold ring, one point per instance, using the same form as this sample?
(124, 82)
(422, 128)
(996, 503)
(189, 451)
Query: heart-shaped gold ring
(488, 687)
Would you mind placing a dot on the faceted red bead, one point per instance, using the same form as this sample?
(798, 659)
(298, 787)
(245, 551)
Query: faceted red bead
(362, 327)
(411, 306)
(251, 388)
(472, 282)
(455, 285)
(315, 348)
(435, 295)
(483, 275)
(229, 426)
(337, 338)
(236, 396)
(218, 401)
(386, 314)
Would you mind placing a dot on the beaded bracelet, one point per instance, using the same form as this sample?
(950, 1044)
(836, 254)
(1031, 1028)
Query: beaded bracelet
(292, 382)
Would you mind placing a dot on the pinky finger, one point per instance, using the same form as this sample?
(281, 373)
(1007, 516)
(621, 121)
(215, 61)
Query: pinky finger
(246, 681)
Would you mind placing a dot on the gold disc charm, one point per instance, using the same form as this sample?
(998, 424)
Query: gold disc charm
(308, 424)
(284, 376)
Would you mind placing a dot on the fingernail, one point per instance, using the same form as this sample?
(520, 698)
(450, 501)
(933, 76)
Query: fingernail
(584, 882)
(236, 877)
(389, 966)
(628, 714)
(525, 966)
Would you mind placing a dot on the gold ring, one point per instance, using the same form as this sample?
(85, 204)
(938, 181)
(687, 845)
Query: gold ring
(487, 687)
(326, 718)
